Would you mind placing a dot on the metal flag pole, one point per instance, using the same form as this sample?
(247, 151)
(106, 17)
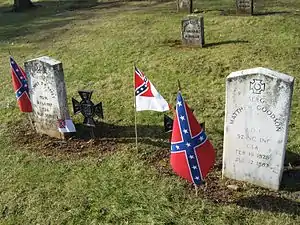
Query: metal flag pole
(134, 106)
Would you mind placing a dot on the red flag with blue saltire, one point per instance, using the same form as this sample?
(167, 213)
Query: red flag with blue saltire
(192, 154)
(20, 84)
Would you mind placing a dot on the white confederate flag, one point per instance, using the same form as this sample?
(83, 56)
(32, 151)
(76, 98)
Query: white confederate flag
(146, 95)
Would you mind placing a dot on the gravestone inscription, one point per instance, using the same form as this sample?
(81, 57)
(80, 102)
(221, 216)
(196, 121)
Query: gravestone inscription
(48, 94)
(193, 31)
(244, 7)
(257, 114)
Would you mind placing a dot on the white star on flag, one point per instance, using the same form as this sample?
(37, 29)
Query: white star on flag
(177, 147)
(201, 138)
(188, 144)
(182, 118)
(194, 167)
(185, 131)
(191, 156)
(179, 103)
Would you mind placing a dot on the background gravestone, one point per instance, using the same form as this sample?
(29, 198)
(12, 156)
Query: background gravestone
(48, 94)
(193, 31)
(244, 7)
(257, 113)
(184, 4)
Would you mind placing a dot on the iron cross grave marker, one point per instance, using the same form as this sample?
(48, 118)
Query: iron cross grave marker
(87, 108)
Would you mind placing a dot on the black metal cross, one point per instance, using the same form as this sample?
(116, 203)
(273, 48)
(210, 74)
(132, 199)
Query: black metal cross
(87, 108)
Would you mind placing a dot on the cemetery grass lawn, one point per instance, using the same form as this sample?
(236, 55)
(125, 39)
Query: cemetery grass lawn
(108, 181)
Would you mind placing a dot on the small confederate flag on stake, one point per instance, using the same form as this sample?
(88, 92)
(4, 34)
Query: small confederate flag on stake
(20, 84)
(192, 155)
(65, 126)
(147, 97)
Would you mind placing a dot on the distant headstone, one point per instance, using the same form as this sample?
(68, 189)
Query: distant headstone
(193, 31)
(244, 7)
(183, 4)
(258, 103)
(48, 94)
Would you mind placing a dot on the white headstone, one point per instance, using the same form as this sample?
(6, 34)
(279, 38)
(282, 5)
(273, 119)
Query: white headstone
(258, 103)
(48, 94)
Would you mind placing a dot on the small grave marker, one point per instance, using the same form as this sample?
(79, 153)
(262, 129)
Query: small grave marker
(87, 108)
(193, 31)
(244, 7)
(184, 4)
(48, 94)
(257, 114)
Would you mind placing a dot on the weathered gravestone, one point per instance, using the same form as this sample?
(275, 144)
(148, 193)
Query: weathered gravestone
(244, 7)
(257, 114)
(48, 94)
(184, 4)
(192, 31)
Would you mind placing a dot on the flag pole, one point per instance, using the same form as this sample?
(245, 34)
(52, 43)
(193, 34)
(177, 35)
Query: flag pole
(30, 120)
(179, 86)
(57, 124)
(134, 106)
(196, 189)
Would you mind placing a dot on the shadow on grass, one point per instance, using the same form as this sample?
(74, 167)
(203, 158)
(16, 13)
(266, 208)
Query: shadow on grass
(46, 7)
(272, 13)
(232, 12)
(225, 42)
(46, 15)
(147, 134)
(270, 203)
(178, 43)
(291, 175)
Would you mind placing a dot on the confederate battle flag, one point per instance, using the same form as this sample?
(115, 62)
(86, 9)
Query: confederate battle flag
(20, 84)
(192, 155)
(146, 95)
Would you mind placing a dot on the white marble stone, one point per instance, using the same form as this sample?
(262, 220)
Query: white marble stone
(257, 112)
(47, 94)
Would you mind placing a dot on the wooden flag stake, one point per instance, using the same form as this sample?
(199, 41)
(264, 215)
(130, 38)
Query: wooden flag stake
(30, 121)
(134, 107)
(196, 189)
(179, 86)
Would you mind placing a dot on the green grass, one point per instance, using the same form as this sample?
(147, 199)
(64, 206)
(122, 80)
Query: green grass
(98, 47)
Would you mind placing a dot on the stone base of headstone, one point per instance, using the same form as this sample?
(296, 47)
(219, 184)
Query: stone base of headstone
(192, 31)
(244, 7)
(48, 95)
